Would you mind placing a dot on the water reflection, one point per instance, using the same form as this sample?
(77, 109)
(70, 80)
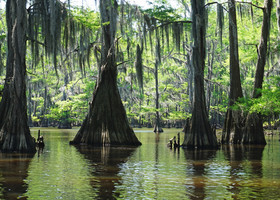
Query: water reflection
(151, 171)
(60, 172)
(198, 161)
(156, 165)
(105, 166)
(13, 172)
(245, 163)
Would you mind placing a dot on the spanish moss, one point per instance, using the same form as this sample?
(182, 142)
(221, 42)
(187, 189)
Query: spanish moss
(278, 14)
(139, 68)
(220, 21)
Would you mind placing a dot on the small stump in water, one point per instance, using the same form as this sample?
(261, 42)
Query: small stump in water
(40, 140)
(173, 142)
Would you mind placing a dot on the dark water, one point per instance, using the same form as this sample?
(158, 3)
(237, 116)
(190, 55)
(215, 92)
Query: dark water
(151, 171)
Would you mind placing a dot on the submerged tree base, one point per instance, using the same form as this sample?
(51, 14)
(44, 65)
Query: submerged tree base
(232, 131)
(158, 129)
(198, 134)
(106, 122)
(15, 134)
(253, 131)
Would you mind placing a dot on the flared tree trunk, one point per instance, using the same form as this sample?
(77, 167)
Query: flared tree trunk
(253, 133)
(200, 135)
(14, 131)
(232, 130)
(106, 122)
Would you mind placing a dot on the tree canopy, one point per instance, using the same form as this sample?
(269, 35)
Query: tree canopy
(63, 61)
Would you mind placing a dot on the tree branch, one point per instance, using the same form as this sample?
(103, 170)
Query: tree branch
(219, 84)
(241, 2)
(122, 63)
(215, 2)
(33, 40)
(250, 3)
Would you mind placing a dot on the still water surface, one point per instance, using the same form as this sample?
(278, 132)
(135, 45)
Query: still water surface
(151, 171)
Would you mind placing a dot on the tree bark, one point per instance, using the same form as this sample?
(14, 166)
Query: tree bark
(234, 119)
(190, 83)
(201, 135)
(254, 133)
(209, 75)
(157, 127)
(14, 131)
(106, 122)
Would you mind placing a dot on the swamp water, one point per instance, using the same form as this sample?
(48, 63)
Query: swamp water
(151, 171)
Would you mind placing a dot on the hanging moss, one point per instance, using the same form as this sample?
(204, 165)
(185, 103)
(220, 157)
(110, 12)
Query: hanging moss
(176, 26)
(145, 34)
(220, 21)
(46, 16)
(147, 20)
(278, 14)
(206, 17)
(158, 54)
(166, 28)
(122, 16)
(252, 14)
(162, 34)
(244, 10)
(50, 22)
(139, 67)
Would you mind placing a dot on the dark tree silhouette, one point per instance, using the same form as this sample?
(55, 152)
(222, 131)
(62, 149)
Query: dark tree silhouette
(14, 131)
(234, 119)
(106, 122)
(200, 135)
(254, 133)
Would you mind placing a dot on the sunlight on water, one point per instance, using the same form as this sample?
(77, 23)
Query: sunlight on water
(152, 171)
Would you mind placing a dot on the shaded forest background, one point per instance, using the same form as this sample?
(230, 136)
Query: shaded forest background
(159, 39)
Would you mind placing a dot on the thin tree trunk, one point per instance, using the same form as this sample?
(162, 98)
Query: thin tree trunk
(234, 119)
(209, 76)
(14, 131)
(106, 122)
(200, 135)
(157, 127)
(254, 133)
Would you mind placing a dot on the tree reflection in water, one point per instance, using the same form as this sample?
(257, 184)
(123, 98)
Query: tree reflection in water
(242, 159)
(13, 172)
(105, 162)
(198, 160)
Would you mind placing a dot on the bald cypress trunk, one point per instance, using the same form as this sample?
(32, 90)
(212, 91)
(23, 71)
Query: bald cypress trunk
(106, 122)
(233, 121)
(200, 135)
(254, 133)
(14, 131)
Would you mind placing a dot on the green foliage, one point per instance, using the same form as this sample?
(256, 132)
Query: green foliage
(162, 11)
(88, 18)
(1, 91)
(267, 104)
(65, 93)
